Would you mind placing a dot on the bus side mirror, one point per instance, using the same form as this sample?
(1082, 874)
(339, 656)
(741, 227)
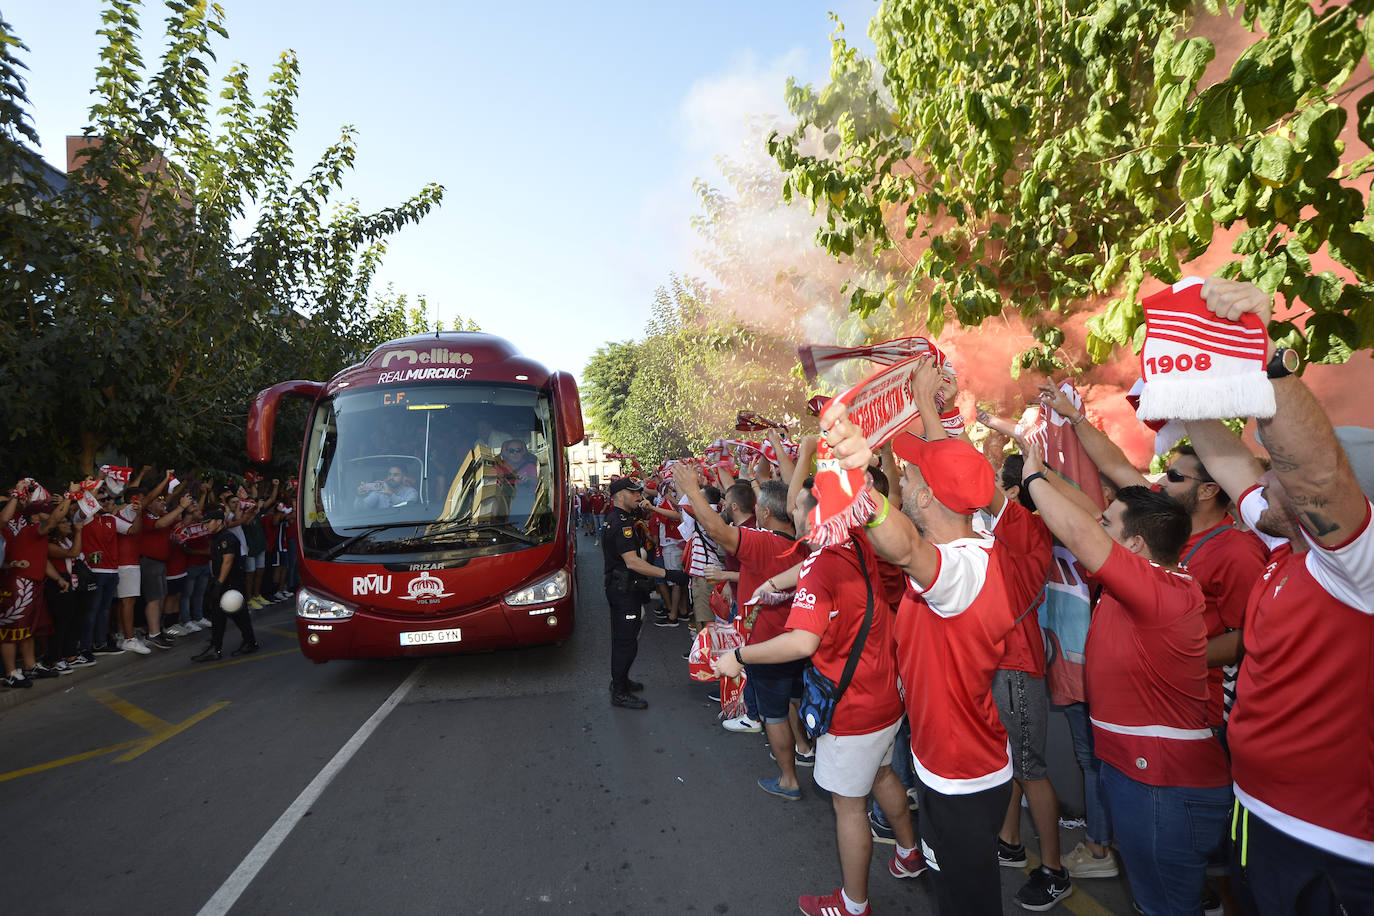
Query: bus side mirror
(569, 409)
(262, 416)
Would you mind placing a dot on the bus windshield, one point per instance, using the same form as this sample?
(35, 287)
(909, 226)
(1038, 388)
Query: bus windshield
(463, 469)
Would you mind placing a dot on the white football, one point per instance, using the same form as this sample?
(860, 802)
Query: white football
(231, 602)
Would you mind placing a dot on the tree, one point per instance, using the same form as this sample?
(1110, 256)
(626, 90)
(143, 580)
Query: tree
(141, 293)
(682, 386)
(1032, 156)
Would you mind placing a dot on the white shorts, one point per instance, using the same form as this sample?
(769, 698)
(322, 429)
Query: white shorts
(672, 555)
(130, 582)
(847, 764)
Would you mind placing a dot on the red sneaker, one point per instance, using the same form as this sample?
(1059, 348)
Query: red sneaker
(913, 866)
(831, 904)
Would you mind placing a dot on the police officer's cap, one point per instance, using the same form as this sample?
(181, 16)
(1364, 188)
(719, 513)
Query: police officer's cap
(625, 483)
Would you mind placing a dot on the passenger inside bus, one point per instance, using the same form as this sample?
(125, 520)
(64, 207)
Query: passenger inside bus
(395, 489)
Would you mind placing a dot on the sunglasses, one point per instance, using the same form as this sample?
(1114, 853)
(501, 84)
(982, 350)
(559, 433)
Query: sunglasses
(105, 499)
(1179, 477)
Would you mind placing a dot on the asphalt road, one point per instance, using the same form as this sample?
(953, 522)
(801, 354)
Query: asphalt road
(501, 783)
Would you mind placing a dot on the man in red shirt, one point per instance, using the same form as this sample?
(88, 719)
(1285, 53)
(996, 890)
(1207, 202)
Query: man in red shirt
(1164, 771)
(1301, 733)
(763, 553)
(101, 546)
(838, 587)
(1223, 559)
(950, 631)
(155, 548)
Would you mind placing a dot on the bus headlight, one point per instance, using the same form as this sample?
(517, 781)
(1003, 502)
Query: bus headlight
(309, 604)
(546, 590)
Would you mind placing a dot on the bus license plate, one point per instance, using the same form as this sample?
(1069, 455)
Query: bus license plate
(430, 637)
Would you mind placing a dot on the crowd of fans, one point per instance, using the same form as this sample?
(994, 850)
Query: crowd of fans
(1208, 636)
(117, 564)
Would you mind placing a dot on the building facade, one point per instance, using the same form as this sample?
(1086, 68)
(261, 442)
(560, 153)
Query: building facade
(588, 464)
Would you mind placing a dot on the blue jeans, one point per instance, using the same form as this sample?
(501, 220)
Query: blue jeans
(96, 622)
(1095, 814)
(1164, 835)
(193, 592)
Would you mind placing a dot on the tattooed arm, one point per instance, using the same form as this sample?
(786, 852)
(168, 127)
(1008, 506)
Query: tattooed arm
(1307, 457)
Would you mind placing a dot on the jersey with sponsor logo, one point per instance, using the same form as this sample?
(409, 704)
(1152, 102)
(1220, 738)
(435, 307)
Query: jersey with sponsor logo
(1302, 730)
(1225, 564)
(830, 601)
(99, 541)
(1147, 676)
(763, 555)
(950, 638)
(1024, 545)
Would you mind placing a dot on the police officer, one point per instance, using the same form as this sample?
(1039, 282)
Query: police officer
(621, 544)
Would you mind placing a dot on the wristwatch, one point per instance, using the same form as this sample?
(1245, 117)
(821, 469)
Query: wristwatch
(1283, 363)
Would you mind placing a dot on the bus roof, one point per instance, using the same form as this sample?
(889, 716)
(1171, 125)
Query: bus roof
(444, 355)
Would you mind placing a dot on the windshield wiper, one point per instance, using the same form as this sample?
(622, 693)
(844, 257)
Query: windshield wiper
(343, 545)
(456, 527)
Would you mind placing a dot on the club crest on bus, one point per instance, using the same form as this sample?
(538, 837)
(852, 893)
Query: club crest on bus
(425, 589)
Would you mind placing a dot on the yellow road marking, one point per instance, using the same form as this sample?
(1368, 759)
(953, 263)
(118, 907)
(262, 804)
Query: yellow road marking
(280, 632)
(159, 730)
(75, 758)
(152, 741)
(140, 717)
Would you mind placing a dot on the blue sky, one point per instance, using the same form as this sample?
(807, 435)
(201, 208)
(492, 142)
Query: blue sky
(567, 135)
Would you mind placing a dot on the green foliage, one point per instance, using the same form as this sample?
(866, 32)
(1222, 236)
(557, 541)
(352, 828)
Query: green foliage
(144, 320)
(1032, 156)
(681, 387)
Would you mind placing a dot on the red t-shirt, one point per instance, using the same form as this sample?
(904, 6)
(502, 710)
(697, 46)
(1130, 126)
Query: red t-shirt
(763, 555)
(155, 543)
(831, 600)
(950, 638)
(99, 542)
(668, 529)
(1147, 676)
(1225, 567)
(1302, 730)
(176, 561)
(1024, 548)
(128, 549)
(27, 544)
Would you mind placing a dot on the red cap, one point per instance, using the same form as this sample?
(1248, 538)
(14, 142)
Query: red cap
(956, 472)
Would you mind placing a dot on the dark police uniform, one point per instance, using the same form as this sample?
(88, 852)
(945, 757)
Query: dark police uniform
(222, 545)
(620, 534)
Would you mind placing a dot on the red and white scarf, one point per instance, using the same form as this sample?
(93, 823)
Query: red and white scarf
(817, 359)
(116, 478)
(1198, 366)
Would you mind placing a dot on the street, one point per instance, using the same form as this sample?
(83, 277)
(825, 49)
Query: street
(496, 783)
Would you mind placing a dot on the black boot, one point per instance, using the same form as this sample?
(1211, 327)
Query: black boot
(247, 648)
(622, 697)
(631, 686)
(210, 653)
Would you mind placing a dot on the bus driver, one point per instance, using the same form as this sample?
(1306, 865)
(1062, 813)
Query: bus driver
(386, 493)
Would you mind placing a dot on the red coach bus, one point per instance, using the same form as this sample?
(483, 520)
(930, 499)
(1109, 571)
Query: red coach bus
(434, 514)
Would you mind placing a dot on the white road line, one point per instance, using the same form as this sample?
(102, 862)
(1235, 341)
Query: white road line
(234, 886)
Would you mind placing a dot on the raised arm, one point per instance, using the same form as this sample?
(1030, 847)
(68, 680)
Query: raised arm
(1077, 529)
(1226, 458)
(800, 470)
(1105, 453)
(892, 534)
(785, 465)
(925, 381)
(715, 527)
(1307, 457)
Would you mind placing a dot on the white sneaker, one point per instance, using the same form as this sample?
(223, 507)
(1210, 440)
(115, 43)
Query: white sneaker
(190, 627)
(284, 594)
(134, 644)
(62, 667)
(202, 624)
(1081, 863)
(177, 629)
(742, 724)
